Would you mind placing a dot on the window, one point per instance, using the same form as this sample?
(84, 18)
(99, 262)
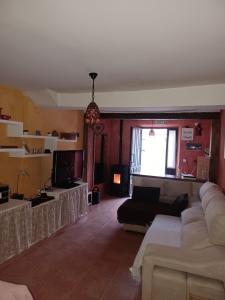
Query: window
(154, 151)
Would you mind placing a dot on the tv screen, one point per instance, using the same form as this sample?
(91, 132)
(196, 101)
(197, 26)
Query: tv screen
(67, 168)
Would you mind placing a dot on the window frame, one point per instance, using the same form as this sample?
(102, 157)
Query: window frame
(171, 171)
(168, 171)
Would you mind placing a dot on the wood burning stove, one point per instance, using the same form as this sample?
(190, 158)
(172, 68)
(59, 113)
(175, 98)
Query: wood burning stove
(119, 185)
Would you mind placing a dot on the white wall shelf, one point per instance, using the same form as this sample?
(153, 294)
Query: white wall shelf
(66, 141)
(15, 130)
(7, 122)
(33, 136)
(22, 155)
(12, 150)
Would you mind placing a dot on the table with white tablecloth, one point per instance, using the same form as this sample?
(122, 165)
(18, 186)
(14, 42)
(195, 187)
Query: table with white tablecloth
(67, 207)
(22, 225)
(15, 228)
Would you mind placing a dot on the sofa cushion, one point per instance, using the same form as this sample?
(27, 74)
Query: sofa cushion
(215, 219)
(146, 193)
(204, 288)
(192, 214)
(212, 192)
(195, 235)
(136, 212)
(167, 199)
(181, 202)
(205, 187)
(176, 188)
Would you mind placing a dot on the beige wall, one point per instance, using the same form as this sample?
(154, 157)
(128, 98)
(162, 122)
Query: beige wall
(22, 109)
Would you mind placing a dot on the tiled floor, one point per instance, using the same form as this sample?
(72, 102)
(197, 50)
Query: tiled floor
(88, 260)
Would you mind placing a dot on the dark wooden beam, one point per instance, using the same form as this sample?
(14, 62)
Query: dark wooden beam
(214, 160)
(162, 116)
(121, 143)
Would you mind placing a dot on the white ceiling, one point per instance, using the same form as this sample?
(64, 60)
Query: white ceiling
(132, 44)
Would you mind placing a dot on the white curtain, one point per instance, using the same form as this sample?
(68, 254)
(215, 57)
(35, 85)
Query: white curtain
(135, 163)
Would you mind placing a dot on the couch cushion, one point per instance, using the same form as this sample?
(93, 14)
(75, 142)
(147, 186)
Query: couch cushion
(211, 193)
(178, 187)
(215, 219)
(192, 214)
(181, 201)
(167, 199)
(195, 235)
(169, 284)
(204, 288)
(205, 187)
(146, 193)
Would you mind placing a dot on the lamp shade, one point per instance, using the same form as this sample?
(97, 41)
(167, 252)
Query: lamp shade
(92, 114)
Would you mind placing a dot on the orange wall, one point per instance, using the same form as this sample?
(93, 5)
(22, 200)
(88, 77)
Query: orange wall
(21, 108)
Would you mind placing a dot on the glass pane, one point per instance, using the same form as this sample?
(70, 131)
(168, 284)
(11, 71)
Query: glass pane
(153, 152)
(171, 156)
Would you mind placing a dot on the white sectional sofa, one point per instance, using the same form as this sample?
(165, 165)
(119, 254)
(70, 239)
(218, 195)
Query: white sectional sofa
(184, 258)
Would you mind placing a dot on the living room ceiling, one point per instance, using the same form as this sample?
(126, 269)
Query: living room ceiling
(132, 44)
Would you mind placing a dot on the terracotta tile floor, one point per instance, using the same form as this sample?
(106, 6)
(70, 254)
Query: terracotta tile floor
(88, 260)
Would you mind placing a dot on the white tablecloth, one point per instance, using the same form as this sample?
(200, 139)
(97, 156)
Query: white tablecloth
(22, 226)
(15, 229)
(67, 207)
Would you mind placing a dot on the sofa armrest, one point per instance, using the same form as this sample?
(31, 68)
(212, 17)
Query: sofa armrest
(209, 262)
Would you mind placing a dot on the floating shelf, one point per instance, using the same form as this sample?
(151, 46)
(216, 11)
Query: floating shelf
(66, 141)
(12, 150)
(15, 130)
(10, 122)
(22, 155)
(33, 136)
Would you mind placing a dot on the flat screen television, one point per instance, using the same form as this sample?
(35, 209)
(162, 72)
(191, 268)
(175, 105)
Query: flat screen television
(67, 168)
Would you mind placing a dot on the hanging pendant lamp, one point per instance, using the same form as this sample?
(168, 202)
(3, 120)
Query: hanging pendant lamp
(151, 131)
(92, 114)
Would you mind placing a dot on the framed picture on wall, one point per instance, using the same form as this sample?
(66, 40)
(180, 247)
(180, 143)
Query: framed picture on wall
(187, 134)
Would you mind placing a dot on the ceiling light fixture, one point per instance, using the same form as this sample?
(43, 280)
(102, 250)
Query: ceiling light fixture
(92, 114)
(151, 131)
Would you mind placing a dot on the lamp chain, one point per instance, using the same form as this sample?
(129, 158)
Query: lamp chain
(93, 89)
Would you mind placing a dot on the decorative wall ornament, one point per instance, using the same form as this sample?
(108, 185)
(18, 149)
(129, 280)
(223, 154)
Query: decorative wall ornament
(98, 128)
(198, 129)
(187, 134)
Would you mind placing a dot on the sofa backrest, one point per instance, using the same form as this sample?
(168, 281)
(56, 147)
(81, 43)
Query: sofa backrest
(170, 188)
(206, 187)
(148, 181)
(213, 204)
